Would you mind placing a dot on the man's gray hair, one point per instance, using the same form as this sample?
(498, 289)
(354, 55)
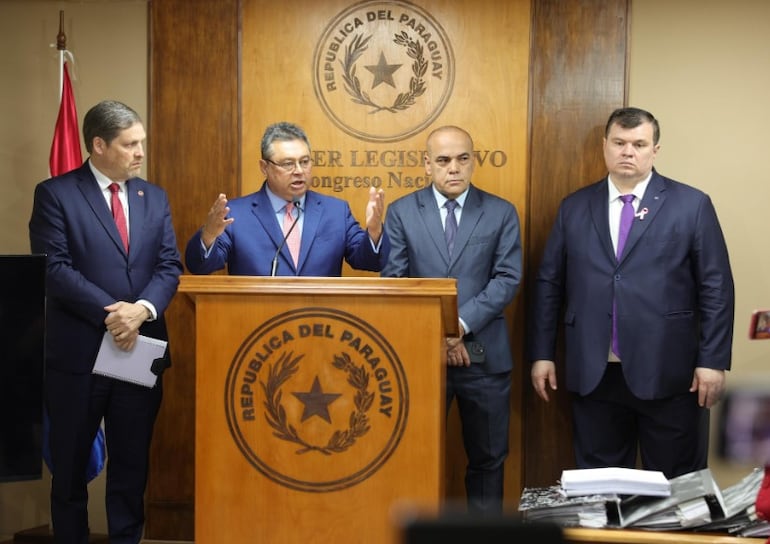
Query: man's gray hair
(282, 132)
(106, 120)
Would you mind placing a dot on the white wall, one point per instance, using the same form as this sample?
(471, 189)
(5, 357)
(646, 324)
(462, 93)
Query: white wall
(701, 67)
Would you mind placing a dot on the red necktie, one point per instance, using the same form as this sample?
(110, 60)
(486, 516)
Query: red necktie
(292, 241)
(118, 215)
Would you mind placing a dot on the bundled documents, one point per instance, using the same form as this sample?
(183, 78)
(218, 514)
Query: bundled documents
(694, 502)
(695, 499)
(551, 504)
(740, 512)
(623, 481)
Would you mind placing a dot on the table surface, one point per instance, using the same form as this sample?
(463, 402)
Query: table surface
(629, 536)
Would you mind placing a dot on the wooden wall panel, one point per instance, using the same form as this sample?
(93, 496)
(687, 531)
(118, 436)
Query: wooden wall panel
(193, 152)
(578, 76)
(490, 60)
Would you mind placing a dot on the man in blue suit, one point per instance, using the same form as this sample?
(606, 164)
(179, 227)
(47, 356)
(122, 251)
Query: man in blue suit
(484, 255)
(246, 233)
(648, 332)
(96, 283)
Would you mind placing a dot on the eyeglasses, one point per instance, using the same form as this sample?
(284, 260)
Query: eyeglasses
(290, 165)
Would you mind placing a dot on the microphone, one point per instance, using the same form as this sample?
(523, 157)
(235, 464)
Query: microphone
(274, 266)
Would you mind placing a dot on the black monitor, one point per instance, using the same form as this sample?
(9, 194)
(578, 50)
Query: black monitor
(22, 335)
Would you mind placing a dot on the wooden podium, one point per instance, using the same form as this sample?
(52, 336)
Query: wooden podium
(319, 405)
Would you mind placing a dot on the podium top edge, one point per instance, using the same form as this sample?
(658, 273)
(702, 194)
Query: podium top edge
(238, 285)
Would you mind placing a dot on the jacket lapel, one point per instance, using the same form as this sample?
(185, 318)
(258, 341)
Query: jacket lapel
(600, 213)
(95, 199)
(136, 215)
(312, 215)
(651, 204)
(471, 215)
(431, 219)
(263, 211)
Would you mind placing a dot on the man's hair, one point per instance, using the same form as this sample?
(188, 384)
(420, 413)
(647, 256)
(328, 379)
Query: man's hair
(282, 132)
(106, 120)
(632, 118)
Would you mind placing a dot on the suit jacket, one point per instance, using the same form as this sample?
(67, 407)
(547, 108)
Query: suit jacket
(330, 234)
(486, 261)
(673, 290)
(88, 268)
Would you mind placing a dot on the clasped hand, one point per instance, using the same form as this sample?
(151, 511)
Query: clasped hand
(123, 321)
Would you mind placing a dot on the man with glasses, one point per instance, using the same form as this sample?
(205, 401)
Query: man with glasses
(285, 229)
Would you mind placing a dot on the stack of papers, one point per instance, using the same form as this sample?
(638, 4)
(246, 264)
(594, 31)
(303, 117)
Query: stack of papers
(757, 528)
(550, 504)
(692, 513)
(740, 512)
(622, 481)
(694, 502)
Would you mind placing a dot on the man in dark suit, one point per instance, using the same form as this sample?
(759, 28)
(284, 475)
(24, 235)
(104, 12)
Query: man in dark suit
(648, 332)
(96, 283)
(246, 233)
(485, 258)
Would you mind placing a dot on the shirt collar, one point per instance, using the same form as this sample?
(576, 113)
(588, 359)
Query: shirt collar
(278, 203)
(103, 181)
(638, 191)
(441, 199)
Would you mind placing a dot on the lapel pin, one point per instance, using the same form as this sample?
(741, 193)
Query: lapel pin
(140, 193)
(642, 213)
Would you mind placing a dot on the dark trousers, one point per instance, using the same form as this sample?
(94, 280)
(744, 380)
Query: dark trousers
(611, 425)
(76, 404)
(483, 402)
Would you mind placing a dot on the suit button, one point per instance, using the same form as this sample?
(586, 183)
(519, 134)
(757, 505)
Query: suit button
(617, 277)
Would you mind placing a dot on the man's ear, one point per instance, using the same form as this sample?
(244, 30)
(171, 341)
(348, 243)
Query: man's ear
(98, 145)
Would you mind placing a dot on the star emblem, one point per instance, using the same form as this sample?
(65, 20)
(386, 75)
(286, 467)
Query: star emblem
(382, 71)
(316, 402)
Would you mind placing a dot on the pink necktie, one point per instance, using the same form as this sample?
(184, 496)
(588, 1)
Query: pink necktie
(626, 219)
(292, 241)
(118, 215)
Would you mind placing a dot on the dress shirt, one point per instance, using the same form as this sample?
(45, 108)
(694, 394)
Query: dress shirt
(279, 209)
(104, 184)
(616, 205)
(441, 201)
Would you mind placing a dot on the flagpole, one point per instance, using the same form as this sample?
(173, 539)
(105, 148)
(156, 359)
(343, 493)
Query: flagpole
(65, 156)
(61, 46)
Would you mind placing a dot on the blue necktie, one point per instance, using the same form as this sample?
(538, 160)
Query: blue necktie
(626, 219)
(450, 227)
